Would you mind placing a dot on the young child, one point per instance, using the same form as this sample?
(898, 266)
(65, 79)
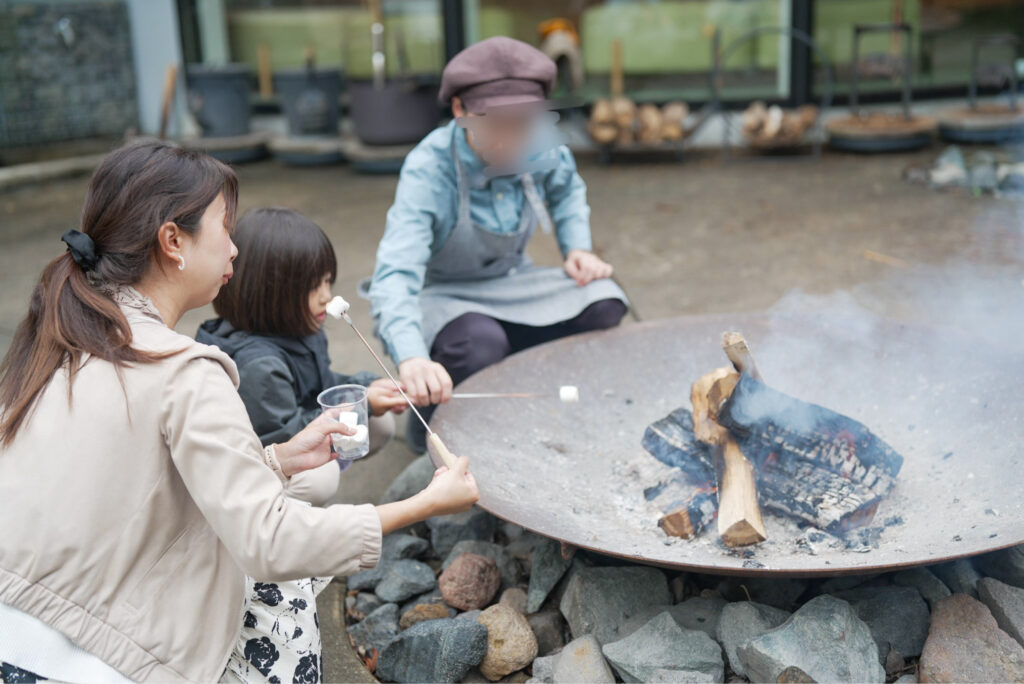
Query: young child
(271, 314)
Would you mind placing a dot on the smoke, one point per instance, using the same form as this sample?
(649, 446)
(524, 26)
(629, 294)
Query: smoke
(929, 356)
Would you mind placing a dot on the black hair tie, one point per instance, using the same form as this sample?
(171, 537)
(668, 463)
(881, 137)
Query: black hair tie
(82, 248)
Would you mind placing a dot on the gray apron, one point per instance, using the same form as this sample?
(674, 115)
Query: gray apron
(479, 271)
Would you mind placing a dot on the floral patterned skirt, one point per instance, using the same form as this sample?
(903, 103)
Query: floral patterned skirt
(280, 637)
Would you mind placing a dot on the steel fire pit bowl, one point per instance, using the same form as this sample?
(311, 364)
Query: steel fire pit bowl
(952, 406)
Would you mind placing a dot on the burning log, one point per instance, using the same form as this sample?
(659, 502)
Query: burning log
(813, 464)
(801, 460)
(688, 518)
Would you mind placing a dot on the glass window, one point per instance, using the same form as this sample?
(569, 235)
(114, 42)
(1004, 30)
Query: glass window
(667, 47)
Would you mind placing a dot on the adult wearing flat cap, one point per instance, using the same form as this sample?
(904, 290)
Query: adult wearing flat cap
(453, 291)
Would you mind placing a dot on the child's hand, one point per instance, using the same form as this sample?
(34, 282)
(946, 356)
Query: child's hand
(452, 491)
(585, 267)
(383, 396)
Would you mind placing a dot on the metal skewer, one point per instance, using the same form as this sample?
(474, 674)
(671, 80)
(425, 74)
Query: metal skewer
(432, 437)
(499, 395)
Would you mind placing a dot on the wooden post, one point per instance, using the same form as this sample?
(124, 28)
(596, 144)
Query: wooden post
(265, 72)
(617, 78)
(170, 85)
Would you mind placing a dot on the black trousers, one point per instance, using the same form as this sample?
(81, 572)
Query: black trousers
(474, 341)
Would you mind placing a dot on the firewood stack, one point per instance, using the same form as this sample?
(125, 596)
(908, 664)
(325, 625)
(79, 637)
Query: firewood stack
(620, 122)
(744, 446)
(775, 127)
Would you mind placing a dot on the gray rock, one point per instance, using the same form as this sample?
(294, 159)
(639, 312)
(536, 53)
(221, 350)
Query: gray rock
(378, 629)
(434, 651)
(698, 612)
(366, 602)
(909, 678)
(404, 579)
(512, 531)
(960, 576)
(897, 616)
(522, 548)
(1007, 565)
(581, 661)
(414, 478)
(924, 580)
(549, 628)
(514, 598)
(366, 580)
(544, 670)
(469, 615)
(398, 546)
(781, 592)
(507, 565)
(664, 676)
(600, 600)
(448, 530)
(662, 644)
(844, 582)
(742, 621)
(950, 169)
(824, 638)
(546, 569)
(983, 172)
(1007, 605)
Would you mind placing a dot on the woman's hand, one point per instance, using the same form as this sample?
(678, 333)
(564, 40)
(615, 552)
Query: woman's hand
(585, 267)
(425, 381)
(383, 396)
(311, 447)
(451, 491)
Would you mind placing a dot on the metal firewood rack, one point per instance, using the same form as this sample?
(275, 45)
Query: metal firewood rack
(991, 124)
(817, 133)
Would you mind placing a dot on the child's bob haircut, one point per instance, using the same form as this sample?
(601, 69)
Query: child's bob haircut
(282, 257)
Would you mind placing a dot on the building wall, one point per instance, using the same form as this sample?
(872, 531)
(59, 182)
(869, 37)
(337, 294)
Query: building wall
(63, 85)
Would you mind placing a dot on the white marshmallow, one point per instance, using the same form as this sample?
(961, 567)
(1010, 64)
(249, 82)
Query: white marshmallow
(349, 418)
(346, 442)
(337, 307)
(569, 394)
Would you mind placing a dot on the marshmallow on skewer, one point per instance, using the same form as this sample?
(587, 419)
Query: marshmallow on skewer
(569, 394)
(337, 307)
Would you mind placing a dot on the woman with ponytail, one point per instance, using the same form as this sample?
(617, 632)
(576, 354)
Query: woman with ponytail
(135, 496)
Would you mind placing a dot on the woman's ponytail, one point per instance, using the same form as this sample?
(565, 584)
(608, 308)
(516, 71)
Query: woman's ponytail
(134, 191)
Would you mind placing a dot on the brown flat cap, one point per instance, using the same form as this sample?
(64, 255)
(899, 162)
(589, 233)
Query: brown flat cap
(497, 71)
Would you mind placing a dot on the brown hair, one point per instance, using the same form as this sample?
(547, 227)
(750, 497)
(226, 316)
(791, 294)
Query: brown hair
(136, 189)
(282, 257)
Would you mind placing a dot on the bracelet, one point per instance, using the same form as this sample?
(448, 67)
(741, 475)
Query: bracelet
(270, 459)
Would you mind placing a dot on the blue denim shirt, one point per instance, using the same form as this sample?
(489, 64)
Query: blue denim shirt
(426, 209)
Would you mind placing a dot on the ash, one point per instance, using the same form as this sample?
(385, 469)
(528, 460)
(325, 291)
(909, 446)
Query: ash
(640, 474)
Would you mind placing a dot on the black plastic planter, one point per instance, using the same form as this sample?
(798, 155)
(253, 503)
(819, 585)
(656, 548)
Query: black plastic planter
(301, 91)
(402, 111)
(218, 96)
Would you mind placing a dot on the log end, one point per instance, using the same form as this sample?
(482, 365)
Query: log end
(743, 532)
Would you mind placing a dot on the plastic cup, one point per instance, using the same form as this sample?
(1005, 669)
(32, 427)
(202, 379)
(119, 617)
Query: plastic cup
(347, 404)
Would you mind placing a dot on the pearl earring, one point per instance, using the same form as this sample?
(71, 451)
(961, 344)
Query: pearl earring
(181, 263)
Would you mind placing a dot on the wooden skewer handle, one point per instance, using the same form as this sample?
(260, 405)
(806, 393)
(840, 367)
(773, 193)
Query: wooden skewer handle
(447, 457)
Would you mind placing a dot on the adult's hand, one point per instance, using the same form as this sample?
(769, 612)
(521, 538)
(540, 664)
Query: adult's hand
(425, 381)
(585, 267)
(311, 447)
(383, 396)
(451, 491)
